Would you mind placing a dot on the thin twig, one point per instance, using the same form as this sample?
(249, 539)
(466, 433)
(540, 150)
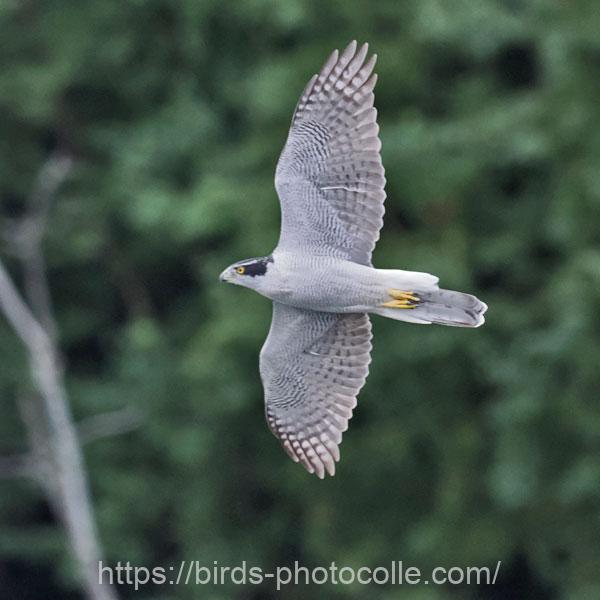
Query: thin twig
(97, 427)
(25, 237)
(109, 424)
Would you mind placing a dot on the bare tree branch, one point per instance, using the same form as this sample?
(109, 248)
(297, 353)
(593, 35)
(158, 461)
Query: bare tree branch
(25, 237)
(32, 464)
(19, 316)
(63, 475)
(50, 178)
(67, 461)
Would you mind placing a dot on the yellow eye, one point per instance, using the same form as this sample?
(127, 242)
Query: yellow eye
(240, 270)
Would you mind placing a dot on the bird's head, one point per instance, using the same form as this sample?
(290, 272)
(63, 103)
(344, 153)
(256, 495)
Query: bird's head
(248, 273)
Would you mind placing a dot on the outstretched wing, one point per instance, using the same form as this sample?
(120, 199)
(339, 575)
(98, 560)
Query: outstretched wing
(329, 178)
(312, 365)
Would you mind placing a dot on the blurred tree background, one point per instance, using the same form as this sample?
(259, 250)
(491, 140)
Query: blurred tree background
(467, 447)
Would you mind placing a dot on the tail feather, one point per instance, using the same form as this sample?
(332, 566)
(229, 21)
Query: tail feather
(444, 307)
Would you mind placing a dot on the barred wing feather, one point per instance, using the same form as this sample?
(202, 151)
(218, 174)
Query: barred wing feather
(330, 178)
(313, 365)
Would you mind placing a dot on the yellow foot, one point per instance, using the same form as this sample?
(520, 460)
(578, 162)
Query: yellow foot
(401, 299)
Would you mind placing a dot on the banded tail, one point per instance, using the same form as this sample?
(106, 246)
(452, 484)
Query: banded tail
(416, 298)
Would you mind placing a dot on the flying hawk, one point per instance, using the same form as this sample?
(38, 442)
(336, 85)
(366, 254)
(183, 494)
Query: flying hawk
(330, 182)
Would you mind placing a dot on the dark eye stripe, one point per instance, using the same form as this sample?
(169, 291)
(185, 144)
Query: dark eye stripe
(258, 267)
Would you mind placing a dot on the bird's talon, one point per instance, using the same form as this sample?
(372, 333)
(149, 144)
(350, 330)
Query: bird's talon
(401, 299)
(402, 295)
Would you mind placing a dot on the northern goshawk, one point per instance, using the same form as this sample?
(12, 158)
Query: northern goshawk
(330, 182)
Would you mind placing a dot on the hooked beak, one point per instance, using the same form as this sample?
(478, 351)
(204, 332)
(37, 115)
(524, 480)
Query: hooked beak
(223, 275)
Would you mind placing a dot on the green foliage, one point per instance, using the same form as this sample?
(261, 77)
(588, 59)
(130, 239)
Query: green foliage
(467, 447)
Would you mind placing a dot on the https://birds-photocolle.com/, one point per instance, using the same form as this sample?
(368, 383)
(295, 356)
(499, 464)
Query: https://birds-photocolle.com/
(330, 182)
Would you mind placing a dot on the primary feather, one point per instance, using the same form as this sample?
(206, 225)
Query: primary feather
(330, 178)
(313, 365)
